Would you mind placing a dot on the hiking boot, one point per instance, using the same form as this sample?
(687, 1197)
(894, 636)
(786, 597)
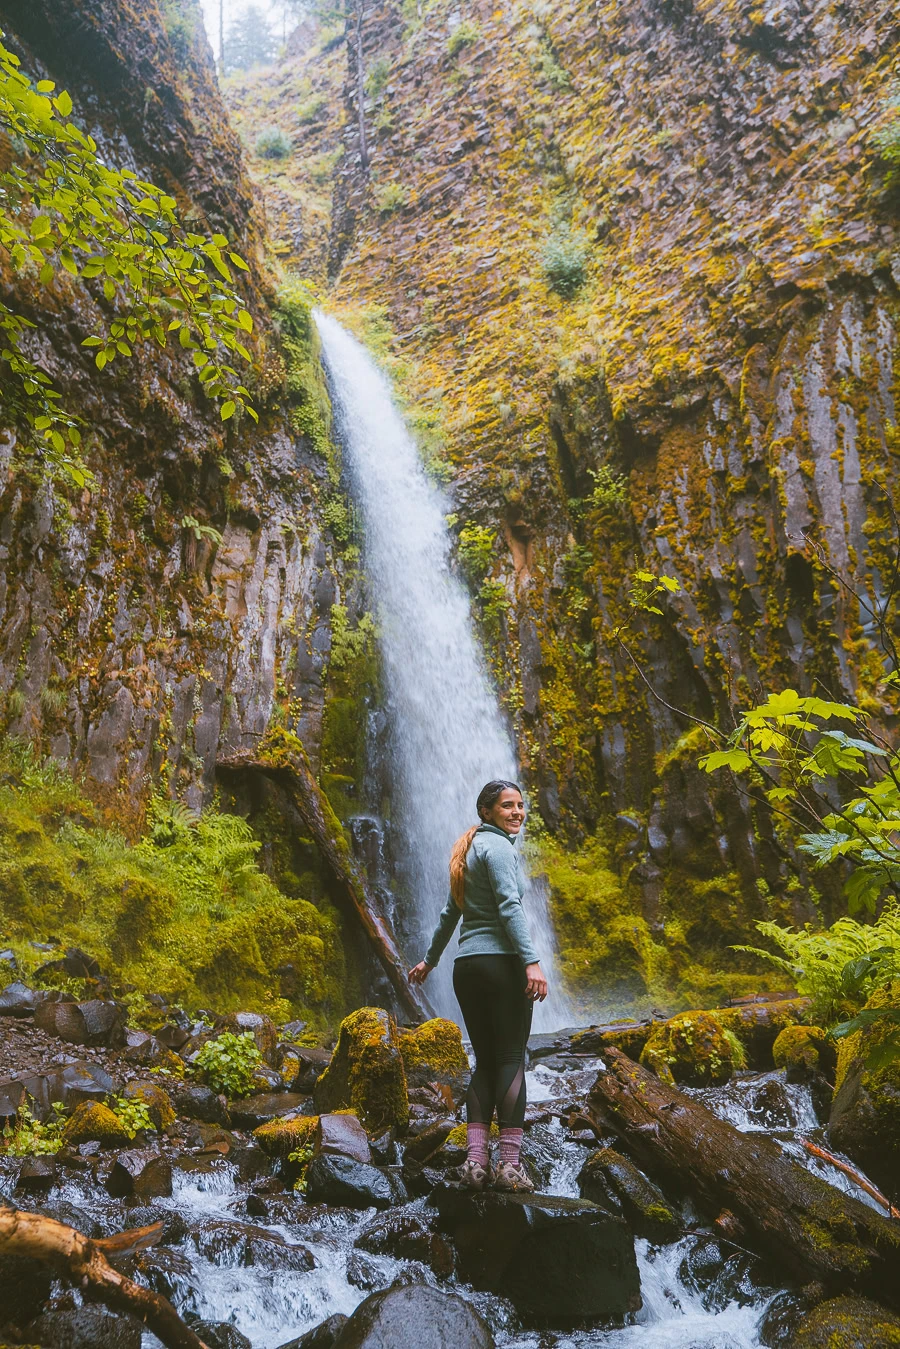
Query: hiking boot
(509, 1176)
(473, 1175)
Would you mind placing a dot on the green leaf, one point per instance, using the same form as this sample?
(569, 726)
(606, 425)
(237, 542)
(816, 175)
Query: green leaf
(738, 760)
(41, 225)
(227, 410)
(63, 103)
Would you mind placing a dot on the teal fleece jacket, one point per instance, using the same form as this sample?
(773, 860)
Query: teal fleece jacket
(493, 920)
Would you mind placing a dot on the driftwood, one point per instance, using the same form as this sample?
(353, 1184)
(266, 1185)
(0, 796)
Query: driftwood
(854, 1175)
(794, 1218)
(83, 1263)
(288, 765)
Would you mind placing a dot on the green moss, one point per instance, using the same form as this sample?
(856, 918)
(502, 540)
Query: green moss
(803, 1051)
(281, 1137)
(366, 1073)
(691, 1048)
(93, 1122)
(433, 1052)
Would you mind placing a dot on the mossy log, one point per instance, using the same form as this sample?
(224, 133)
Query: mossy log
(83, 1263)
(795, 1218)
(284, 760)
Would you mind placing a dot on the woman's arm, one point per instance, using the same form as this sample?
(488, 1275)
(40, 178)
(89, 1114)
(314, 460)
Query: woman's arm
(450, 916)
(502, 872)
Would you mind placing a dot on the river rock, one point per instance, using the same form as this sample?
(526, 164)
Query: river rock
(691, 1049)
(341, 1180)
(607, 1175)
(559, 1261)
(364, 1273)
(85, 1328)
(366, 1073)
(143, 1048)
(97, 1022)
(174, 1228)
(220, 1335)
(311, 1063)
(426, 1317)
(230, 1244)
(168, 1272)
(261, 1027)
(150, 1094)
(17, 999)
(322, 1336)
(342, 1136)
(196, 1101)
(140, 1173)
(433, 1053)
(804, 1053)
(406, 1236)
(782, 1318)
(426, 1143)
(84, 1082)
(251, 1111)
(37, 1175)
(280, 1137)
(94, 1122)
(720, 1272)
(847, 1323)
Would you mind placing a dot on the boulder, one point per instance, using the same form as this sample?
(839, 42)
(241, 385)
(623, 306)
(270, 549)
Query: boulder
(231, 1244)
(782, 1318)
(690, 1049)
(17, 999)
(406, 1236)
(33, 1088)
(342, 1136)
(85, 1328)
(612, 1181)
(281, 1137)
(251, 1111)
(310, 1064)
(340, 1180)
(98, 1022)
(366, 1073)
(629, 1036)
(144, 1049)
(426, 1317)
(433, 1053)
(84, 1082)
(865, 1113)
(94, 1122)
(261, 1027)
(720, 1273)
(168, 1272)
(140, 1174)
(220, 1335)
(365, 1273)
(195, 1101)
(26, 1286)
(559, 1261)
(322, 1336)
(757, 1025)
(804, 1053)
(847, 1323)
(37, 1175)
(159, 1107)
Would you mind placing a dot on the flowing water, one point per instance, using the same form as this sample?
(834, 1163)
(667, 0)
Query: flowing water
(446, 733)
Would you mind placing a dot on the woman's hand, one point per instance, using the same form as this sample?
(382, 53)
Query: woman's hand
(419, 973)
(536, 988)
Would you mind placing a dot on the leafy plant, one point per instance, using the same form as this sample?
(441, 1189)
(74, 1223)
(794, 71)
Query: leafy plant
(390, 197)
(63, 210)
(349, 644)
(476, 550)
(133, 1115)
(228, 1063)
(302, 1156)
(564, 259)
(378, 76)
(309, 109)
(610, 492)
(884, 138)
(200, 531)
(336, 518)
(273, 143)
(29, 1137)
(463, 35)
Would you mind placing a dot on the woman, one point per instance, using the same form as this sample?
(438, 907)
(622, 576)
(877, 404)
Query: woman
(496, 977)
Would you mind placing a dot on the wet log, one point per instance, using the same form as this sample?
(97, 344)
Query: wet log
(283, 759)
(82, 1262)
(795, 1219)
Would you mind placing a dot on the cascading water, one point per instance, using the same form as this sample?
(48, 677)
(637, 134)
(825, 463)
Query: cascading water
(447, 735)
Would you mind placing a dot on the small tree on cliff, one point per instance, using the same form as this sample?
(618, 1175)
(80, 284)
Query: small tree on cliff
(65, 214)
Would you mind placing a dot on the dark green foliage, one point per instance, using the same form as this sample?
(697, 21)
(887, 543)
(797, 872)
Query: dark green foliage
(228, 1063)
(273, 143)
(564, 260)
(249, 41)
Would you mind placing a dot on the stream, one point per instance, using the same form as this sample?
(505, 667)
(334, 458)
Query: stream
(717, 1310)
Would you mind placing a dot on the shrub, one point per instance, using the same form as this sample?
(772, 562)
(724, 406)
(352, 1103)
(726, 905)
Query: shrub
(309, 110)
(228, 1064)
(273, 143)
(884, 138)
(390, 197)
(564, 261)
(610, 492)
(378, 77)
(463, 35)
(476, 548)
(28, 1137)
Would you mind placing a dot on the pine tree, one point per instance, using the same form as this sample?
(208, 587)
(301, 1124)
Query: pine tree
(250, 40)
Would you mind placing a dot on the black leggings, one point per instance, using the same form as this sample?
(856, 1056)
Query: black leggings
(491, 994)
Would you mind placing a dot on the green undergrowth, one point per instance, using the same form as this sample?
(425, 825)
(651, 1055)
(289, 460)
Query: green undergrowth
(186, 911)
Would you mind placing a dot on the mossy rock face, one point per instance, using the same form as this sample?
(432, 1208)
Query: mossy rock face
(865, 1112)
(433, 1052)
(803, 1052)
(280, 1137)
(691, 1048)
(159, 1107)
(93, 1122)
(758, 1024)
(366, 1073)
(847, 1323)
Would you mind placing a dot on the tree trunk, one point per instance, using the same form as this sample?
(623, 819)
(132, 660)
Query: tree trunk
(794, 1218)
(284, 760)
(361, 89)
(81, 1261)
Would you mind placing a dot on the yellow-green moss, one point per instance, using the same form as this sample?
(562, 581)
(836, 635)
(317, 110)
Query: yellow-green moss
(280, 1137)
(159, 1107)
(433, 1052)
(366, 1072)
(93, 1122)
(803, 1051)
(690, 1048)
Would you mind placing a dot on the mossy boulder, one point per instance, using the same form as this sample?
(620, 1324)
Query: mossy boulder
(433, 1052)
(758, 1024)
(281, 1137)
(159, 1107)
(865, 1112)
(94, 1122)
(847, 1323)
(366, 1072)
(691, 1048)
(804, 1052)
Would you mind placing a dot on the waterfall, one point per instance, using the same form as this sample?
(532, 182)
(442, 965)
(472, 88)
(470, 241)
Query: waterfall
(447, 736)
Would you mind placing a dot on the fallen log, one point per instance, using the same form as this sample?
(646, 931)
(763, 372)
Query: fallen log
(856, 1176)
(83, 1263)
(282, 758)
(791, 1216)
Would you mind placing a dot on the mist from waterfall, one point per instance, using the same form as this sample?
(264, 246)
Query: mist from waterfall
(446, 733)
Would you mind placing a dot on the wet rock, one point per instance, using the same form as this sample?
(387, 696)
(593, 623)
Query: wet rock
(8, 962)
(85, 1328)
(280, 1137)
(559, 1261)
(172, 1036)
(231, 1244)
(159, 1107)
(366, 1072)
(782, 1318)
(94, 1122)
(37, 1175)
(433, 1053)
(758, 1024)
(196, 1101)
(365, 1273)
(342, 1136)
(140, 1174)
(251, 1163)
(268, 1080)
(251, 1111)
(25, 1285)
(17, 1000)
(407, 1236)
(692, 1049)
(143, 1048)
(804, 1053)
(384, 1149)
(607, 1175)
(220, 1335)
(865, 1112)
(628, 1036)
(174, 1228)
(261, 1027)
(311, 1063)
(426, 1316)
(720, 1274)
(271, 1252)
(426, 1143)
(97, 1022)
(847, 1323)
(85, 1082)
(340, 1180)
(168, 1272)
(72, 1216)
(322, 1336)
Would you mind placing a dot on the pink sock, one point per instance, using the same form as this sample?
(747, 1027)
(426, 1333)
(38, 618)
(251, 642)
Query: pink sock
(510, 1145)
(477, 1143)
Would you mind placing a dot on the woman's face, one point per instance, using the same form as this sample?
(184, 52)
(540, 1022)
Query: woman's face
(507, 812)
